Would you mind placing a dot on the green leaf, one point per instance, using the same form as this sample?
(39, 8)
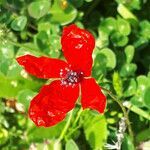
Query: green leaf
(137, 100)
(123, 27)
(29, 48)
(62, 15)
(99, 67)
(108, 25)
(71, 145)
(147, 97)
(110, 56)
(140, 95)
(117, 84)
(95, 129)
(19, 23)
(143, 83)
(41, 40)
(7, 50)
(4, 65)
(129, 52)
(126, 13)
(3, 135)
(14, 70)
(127, 143)
(25, 96)
(103, 40)
(38, 9)
(15, 85)
(47, 133)
(128, 70)
(119, 39)
(143, 135)
(145, 29)
(131, 87)
(49, 44)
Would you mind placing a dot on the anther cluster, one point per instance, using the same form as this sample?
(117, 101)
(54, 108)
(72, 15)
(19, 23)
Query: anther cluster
(70, 77)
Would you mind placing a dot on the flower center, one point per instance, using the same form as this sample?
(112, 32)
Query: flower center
(70, 77)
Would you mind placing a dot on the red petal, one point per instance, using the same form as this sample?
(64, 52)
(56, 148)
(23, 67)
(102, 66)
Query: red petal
(52, 103)
(78, 45)
(42, 67)
(92, 96)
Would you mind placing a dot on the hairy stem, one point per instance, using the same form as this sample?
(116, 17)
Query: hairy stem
(124, 112)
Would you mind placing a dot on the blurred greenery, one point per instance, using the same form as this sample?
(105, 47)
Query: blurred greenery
(121, 65)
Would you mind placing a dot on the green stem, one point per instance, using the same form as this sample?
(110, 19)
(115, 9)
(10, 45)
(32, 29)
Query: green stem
(66, 126)
(72, 131)
(19, 45)
(78, 116)
(124, 112)
(74, 127)
(136, 110)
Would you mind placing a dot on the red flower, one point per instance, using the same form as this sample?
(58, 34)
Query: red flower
(53, 102)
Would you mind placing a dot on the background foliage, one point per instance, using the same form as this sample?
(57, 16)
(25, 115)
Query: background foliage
(121, 64)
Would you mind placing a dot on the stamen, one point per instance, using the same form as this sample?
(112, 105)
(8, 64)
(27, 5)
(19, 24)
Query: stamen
(70, 77)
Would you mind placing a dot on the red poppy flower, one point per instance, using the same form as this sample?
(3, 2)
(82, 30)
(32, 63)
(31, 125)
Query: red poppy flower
(55, 100)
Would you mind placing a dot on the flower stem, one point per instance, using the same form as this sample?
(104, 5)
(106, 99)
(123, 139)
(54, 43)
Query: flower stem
(78, 116)
(124, 112)
(66, 126)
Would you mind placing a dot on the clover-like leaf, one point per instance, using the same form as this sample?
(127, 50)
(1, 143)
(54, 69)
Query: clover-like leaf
(19, 23)
(110, 56)
(62, 15)
(38, 9)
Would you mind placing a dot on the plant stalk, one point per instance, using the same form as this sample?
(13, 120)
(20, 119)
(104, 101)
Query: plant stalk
(124, 112)
(66, 126)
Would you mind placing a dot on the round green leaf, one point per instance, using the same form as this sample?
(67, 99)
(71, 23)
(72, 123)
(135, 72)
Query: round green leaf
(130, 87)
(38, 9)
(128, 70)
(137, 101)
(41, 40)
(103, 40)
(110, 56)
(129, 52)
(145, 29)
(123, 26)
(119, 39)
(25, 96)
(99, 67)
(143, 83)
(108, 25)
(62, 15)
(19, 23)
